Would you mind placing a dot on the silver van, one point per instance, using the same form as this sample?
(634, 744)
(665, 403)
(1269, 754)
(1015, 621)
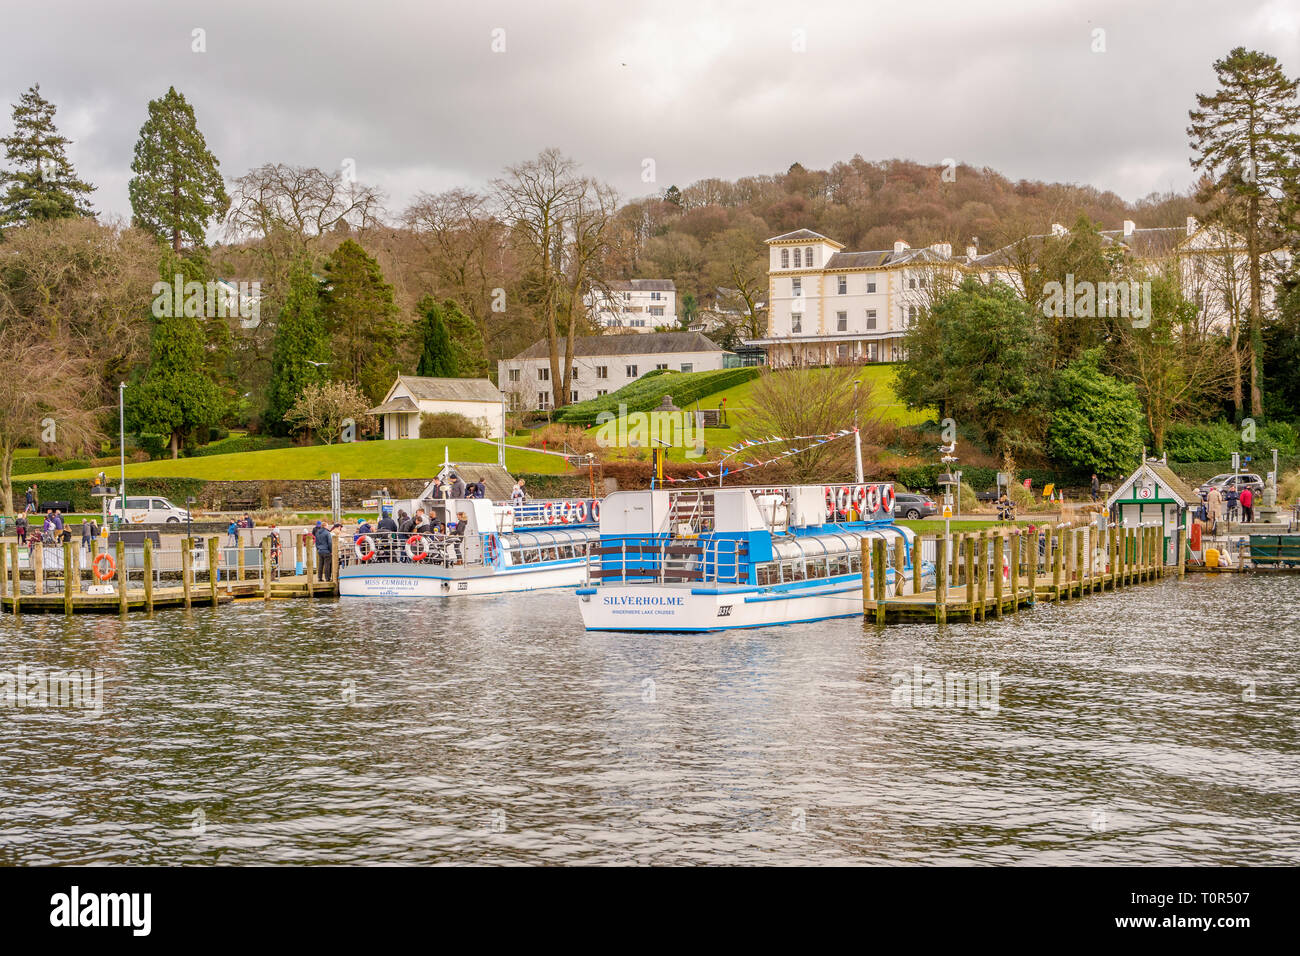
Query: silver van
(147, 509)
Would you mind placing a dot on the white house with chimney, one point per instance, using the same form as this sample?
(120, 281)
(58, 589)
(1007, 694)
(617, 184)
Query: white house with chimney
(604, 364)
(636, 305)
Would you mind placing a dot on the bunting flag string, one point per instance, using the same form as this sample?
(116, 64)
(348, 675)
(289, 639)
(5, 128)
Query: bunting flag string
(759, 463)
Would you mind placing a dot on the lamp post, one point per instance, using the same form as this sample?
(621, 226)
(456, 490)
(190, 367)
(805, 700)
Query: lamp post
(121, 442)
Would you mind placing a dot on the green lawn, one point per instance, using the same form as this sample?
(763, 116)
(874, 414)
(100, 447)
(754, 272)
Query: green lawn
(418, 458)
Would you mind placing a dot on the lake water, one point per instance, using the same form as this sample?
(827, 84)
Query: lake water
(1153, 726)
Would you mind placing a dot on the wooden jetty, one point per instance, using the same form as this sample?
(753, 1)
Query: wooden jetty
(220, 582)
(988, 574)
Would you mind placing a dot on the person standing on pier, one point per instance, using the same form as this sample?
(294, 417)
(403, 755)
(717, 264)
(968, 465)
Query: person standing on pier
(1247, 505)
(324, 550)
(1214, 504)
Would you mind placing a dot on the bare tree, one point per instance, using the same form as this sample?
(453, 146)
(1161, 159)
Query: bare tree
(808, 402)
(559, 222)
(324, 408)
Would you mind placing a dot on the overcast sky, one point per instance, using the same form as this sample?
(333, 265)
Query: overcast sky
(413, 92)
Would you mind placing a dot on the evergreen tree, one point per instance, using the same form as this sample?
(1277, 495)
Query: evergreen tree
(361, 319)
(301, 348)
(42, 183)
(466, 341)
(177, 396)
(1243, 138)
(177, 188)
(437, 358)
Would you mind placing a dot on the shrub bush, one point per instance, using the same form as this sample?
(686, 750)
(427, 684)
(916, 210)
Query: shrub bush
(449, 425)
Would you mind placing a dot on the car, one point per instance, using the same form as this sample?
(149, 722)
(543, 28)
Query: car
(912, 506)
(1230, 482)
(147, 509)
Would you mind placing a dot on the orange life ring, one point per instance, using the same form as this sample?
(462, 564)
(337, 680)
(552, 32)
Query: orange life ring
(887, 497)
(410, 550)
(112, 566)
(581, 512)
(364, 555)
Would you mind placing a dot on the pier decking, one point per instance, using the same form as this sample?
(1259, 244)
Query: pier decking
(985, 574)
(203, 576)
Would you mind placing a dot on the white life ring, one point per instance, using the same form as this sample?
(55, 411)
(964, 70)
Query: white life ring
(581, 512)
(367, 554)
(423, 552)
(566, 511)
(887, 498)
(595, 511)
(871, 501)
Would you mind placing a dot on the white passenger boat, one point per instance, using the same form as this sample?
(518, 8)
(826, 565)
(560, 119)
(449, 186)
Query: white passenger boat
(499, 547)
(725, 558)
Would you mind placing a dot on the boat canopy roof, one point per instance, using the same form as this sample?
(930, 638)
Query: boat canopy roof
(831, 543)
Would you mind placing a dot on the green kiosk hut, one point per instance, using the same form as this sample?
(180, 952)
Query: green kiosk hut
(1154, 494)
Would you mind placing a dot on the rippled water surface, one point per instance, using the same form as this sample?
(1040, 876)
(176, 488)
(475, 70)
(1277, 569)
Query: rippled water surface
(496, 730)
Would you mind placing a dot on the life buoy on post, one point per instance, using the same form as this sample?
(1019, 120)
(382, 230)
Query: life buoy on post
(411, 552)
(369, 552)
(100, 572)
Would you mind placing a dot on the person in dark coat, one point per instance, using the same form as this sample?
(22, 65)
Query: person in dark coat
(324, 550)
(388, 531)
(458, 488)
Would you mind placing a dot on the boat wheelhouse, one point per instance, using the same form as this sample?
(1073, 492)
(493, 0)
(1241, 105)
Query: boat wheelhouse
(717, 559)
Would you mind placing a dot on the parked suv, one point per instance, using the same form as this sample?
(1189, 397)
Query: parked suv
(1230, 482)
(147, 510)
(914, 506)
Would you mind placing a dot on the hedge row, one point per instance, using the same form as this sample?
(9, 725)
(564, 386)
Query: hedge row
(647, 392)
(983, 478)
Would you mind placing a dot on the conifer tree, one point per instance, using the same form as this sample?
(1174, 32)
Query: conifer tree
(177, 188)
(437, 358)
(1243, 137)
(41, 183)
(301, 348)
(361, 319)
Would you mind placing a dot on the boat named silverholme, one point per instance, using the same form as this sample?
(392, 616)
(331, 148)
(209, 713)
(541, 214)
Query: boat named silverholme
(717, 559)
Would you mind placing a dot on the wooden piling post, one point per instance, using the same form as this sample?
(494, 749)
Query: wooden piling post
(311, 568)
(239, 556)
(1016, 538)
(900, 583)
(4, 568)
(38, 566)
(982, 569)
(122, 604)
(865, 545)
(1056, 567)
(266, 568)
(998, 548)
(214, 568)
(67, 577)
(941, 579)
(76, 570)
(918, 549)
(1080, 559)
(148, 574)
(16, 580)
(968, 541)
(334, 564)
(1113, 552)
(187, 569)
(1182, 559)
(878, 583)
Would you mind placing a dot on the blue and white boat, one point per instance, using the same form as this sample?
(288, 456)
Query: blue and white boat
(725, 558)
(497, 547)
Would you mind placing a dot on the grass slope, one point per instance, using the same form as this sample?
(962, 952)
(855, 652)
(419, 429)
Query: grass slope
(418, 458)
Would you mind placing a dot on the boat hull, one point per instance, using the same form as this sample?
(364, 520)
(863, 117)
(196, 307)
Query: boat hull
(686, 608)
(397, 580)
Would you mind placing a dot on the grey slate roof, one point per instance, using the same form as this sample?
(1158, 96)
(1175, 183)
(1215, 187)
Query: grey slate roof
(641, 285)
(802, 235)
(451, 389)
(635, 343)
